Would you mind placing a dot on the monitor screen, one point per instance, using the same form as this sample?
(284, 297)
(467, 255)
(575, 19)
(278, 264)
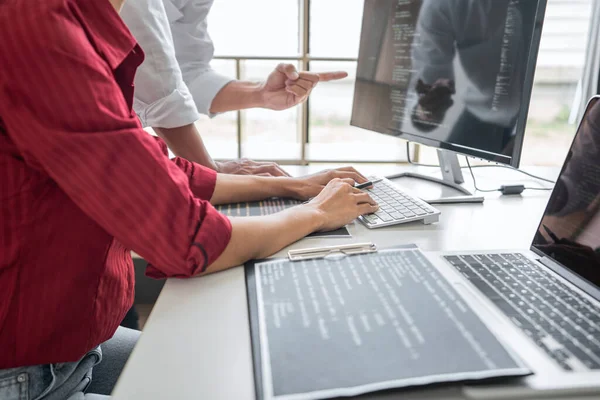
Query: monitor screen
(569, 232)
(453, 74)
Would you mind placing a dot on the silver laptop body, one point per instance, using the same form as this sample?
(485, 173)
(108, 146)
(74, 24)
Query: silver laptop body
(566, 246)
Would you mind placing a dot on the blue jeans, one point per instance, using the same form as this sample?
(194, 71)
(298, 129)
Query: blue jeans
(73, 380)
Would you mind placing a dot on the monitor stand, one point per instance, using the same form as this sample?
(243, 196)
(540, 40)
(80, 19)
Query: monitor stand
(451, 176)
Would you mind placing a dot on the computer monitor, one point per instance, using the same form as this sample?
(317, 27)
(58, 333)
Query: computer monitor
(452, 74)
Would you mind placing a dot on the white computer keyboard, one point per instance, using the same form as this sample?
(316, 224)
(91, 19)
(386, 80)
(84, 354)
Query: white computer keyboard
(396, 206)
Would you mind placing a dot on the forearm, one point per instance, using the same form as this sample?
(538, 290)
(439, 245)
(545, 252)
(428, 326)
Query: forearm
(236, 188)
(187, 143)
(237, 95)
(261, 237)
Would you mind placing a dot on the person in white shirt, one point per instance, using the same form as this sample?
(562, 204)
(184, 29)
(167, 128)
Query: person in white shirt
(175, 83)
(488, 39)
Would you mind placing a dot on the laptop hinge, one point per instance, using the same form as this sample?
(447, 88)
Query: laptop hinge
(550, 263)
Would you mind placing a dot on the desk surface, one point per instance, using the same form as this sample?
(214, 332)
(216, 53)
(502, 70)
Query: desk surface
(196, 342)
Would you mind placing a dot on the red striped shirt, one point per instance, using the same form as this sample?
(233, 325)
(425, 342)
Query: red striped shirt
(81, 183)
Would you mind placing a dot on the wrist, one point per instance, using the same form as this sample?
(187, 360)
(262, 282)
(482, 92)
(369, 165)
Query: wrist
(281, 186)
(238, 95)
(215, 165)
(315, 217)
(260, 93)
(250, 94)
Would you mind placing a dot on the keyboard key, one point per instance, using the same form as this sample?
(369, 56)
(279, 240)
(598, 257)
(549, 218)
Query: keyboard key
(555, 317)
(396, 206)
(582, 356)
(386, 217)
(371, 218)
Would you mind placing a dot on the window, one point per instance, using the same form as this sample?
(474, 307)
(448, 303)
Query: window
(331, 138)
(264, 28)
(560, 65)
(267, 134)
(339, 39)
(220, 133)
(251, 41)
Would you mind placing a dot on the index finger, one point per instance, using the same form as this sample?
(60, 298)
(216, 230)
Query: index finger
(363, 197)
(280, 171)
(349, 181)
(309, 76)
(271, 169)
(331, 76)
(351, 169)
(274, 168)
(348, 174)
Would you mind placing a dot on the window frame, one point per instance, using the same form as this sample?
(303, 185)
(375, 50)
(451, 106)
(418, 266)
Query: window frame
(303, 59)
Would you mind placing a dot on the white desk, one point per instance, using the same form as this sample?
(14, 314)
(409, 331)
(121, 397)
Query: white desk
(196, 343)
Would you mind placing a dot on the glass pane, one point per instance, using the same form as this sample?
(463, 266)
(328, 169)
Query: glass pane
(268, 134)
(335, 27)
(220, 133)
(561, 58)
(330, 135)
(257, 27)
(559, 69)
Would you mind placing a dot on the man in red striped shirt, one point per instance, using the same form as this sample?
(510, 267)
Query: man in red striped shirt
(81, 184)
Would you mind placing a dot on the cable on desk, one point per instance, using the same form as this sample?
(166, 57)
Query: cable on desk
(517, 170)
(479, 166)
(510, 189)
(475, 181)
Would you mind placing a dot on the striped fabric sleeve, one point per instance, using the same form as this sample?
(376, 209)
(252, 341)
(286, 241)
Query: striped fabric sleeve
(202, 179)
(82, 133)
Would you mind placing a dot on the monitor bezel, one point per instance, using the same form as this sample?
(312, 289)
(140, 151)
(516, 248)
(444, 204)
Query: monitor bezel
(515, 158)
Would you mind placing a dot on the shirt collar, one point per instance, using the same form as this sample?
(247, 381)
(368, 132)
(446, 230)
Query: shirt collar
(111, 36)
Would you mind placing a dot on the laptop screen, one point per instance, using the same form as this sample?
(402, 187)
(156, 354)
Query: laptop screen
(569, 232)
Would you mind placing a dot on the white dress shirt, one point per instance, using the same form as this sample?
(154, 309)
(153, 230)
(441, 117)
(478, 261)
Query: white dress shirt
(175, 83)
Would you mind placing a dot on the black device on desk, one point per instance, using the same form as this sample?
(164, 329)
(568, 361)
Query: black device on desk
(452, 74)
(363, 321)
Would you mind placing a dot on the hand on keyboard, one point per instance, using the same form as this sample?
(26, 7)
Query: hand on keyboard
(340, 203)
(396, 206)
(311, 185)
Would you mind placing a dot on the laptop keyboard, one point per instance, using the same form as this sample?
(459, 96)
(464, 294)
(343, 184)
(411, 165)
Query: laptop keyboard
(396, 206)
(559, 320)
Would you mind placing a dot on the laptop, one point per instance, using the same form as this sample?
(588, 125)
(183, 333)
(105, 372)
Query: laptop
(545, 302)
